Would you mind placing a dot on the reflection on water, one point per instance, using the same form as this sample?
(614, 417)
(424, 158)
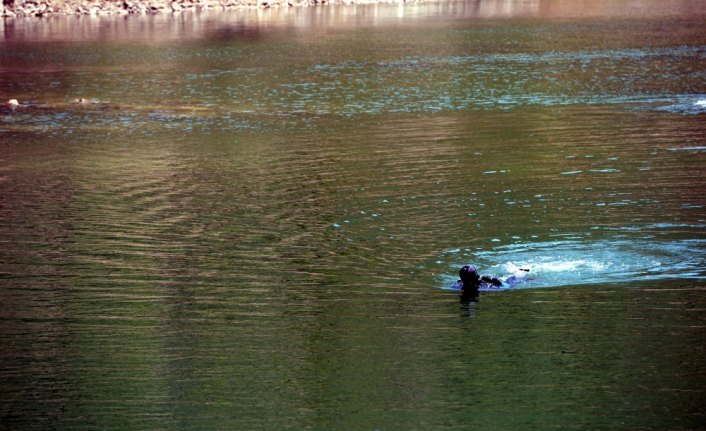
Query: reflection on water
(248, 223)
(213, 24)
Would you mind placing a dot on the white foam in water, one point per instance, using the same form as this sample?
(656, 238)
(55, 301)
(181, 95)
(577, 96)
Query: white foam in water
(567, 263)
(696, 148)
(548, 271)
(561, 266)
(688, 104)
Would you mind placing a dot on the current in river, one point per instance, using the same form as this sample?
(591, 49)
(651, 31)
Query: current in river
(252, 219)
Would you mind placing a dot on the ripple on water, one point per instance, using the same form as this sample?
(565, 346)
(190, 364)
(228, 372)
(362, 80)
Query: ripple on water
(694, 149)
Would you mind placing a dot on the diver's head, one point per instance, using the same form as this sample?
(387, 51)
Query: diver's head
(469, 274)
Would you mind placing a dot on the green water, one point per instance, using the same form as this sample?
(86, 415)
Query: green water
(253, 219)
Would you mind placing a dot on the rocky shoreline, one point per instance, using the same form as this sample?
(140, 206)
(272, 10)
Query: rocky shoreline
(41, 8)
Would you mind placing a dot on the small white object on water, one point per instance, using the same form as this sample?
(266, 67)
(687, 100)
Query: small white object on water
(517, 271)
(700, 102)
(13, 102)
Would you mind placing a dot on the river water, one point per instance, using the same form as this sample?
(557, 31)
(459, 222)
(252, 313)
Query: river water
(253, 218)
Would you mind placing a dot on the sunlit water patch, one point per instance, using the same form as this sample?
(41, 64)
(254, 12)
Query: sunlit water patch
(581, 262)
(648, 78)
(509, 80)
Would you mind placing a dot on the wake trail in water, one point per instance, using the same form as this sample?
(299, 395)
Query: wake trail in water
(568, 262)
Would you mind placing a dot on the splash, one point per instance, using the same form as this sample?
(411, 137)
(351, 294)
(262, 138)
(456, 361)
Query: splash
(686, 104)
(566, 263)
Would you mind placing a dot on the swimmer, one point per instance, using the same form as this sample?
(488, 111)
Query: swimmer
(471, 282)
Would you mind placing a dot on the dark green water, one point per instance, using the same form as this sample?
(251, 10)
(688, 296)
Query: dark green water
(253, 220)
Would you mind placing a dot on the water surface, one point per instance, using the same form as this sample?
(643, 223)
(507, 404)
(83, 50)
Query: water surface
(251, 220)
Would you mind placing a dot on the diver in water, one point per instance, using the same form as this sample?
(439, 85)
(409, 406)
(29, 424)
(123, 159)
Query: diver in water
(471, 282)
